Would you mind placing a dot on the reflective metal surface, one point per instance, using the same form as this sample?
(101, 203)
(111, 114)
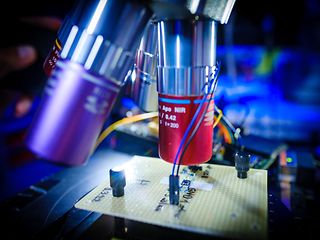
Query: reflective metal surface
(187, 55)
(105, 35)
(72, 112)
(98, 52)
(144, 77)
(218, 10)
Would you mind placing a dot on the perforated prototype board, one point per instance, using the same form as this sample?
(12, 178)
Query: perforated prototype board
(212, 200)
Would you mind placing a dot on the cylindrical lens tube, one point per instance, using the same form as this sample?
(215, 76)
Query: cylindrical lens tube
(94, 61)
(144, 77)
(187, 52)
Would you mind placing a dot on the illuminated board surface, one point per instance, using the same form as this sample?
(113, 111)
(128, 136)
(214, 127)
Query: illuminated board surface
(213, 200)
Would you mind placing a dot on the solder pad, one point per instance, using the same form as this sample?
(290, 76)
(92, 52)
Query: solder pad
(212, 200)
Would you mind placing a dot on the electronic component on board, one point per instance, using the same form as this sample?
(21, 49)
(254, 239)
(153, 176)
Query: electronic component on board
(174, 189)
(242, 164)
(195, 168)
(117, 181)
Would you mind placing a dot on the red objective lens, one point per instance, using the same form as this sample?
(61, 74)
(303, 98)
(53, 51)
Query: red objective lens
(52, 58)
(175, 114)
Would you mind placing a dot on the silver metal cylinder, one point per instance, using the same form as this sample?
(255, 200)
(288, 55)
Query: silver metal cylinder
(187, 55)
(218, 10)
(105, 35)
(144, 77)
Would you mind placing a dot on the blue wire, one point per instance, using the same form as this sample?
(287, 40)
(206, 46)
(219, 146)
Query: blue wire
(188, 130)
(192, 121)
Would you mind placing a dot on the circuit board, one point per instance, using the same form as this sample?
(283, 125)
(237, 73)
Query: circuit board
(213, 201)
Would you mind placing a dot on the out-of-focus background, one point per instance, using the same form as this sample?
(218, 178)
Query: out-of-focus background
(270, 57)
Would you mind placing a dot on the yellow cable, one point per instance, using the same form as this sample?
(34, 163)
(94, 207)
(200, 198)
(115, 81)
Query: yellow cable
(218, 118)
(225, 133)
(222, 127)
(133, 119)
(121, 122)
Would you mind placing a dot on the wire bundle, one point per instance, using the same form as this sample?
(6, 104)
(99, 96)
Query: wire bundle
(212, 83)
(230, 133)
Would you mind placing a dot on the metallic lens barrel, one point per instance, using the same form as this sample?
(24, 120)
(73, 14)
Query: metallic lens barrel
(73, 110)
(95, 59)
(187, 57)
(144, 89)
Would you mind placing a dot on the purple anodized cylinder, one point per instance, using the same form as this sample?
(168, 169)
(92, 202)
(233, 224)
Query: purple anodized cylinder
(97, 54)
(72, 112)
